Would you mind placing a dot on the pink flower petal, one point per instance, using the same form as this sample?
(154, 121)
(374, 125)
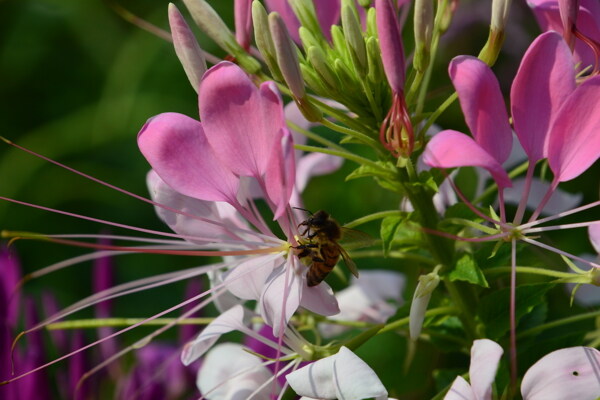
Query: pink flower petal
(482, 104)
(280, 178)
(485, 357)
(176, 148)
(545, 79)
(242, 122)
(230, 320)
(573, 142)
(162, 193)
(451, 149)
(548, 16)
(572, 373)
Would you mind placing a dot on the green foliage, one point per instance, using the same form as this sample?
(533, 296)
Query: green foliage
(493, 309)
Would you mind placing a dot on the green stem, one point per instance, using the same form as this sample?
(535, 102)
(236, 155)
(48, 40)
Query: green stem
(351, 132)
(374, 107)
(431, 120)
(119, 322)
(372, 217)
(531, 270)
(392, 326)
(558, 322)
(393, 254)
(347, 155)
(315, 137)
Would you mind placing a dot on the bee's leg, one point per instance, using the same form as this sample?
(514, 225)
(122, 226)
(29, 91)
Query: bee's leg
(306, 249)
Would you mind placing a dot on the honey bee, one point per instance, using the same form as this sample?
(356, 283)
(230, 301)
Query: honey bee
(323, 234)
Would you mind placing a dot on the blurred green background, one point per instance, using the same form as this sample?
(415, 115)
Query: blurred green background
(76, 84)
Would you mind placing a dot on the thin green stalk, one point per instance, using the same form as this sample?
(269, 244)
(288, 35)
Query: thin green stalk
(351, 132)
(393, 254)
(315, 137)
(120, 322)
(558, 322)
(530, 270)
(429, 313)
(374, 106)
(372, 217)
(431, 120)
(347, 155)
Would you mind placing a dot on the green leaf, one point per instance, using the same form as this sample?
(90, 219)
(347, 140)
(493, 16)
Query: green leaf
(467, 270)
(389, 227)
(493, 310)
(368, 170)
(467, 180)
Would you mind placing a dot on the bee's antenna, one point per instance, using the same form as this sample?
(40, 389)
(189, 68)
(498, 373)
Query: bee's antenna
(304, 209)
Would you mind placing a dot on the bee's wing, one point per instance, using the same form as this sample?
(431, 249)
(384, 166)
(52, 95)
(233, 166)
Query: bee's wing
(353, 239)
(349, 263)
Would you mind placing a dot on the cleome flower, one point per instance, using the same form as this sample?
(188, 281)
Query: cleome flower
(206, 169)
(571, 373)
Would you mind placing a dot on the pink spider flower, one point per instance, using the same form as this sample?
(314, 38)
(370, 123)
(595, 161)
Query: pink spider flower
(242, 138)
(553, 118)
(201, 183)
(578, 21)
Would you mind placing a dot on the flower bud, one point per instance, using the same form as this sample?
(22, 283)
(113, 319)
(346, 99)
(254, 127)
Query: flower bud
(390, 41)
(354, 39)
(376, 74)
(307, 15)
(423, 28)
(287, 57)
(186, 47)
(426, 286)
(318, 60)
(243, 22)
(500, 9)
(209, 21)
(262, 36)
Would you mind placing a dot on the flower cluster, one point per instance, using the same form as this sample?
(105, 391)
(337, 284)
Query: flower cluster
(280, 318)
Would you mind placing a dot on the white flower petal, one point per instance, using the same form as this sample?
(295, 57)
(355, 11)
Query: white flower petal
(314, 380)
(485, 356)
(230, 373)
(278, 302)
(381, 284)
(572, 373)
(247, 280)
(594, 233)
(230, 320)
(341, 376)
(460, 390)
(319, 299)
(354, 379)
